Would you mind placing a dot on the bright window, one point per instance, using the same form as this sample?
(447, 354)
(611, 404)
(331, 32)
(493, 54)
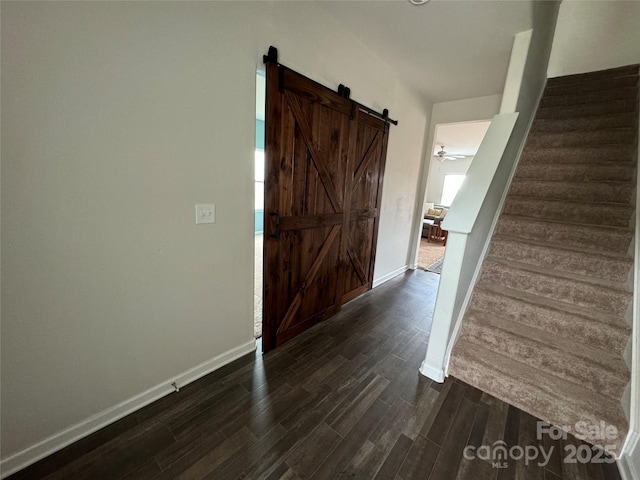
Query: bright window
(452, 184)
(259, 179)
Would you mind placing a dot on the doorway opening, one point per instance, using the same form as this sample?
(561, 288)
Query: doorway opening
(453, 150)
(259, 203)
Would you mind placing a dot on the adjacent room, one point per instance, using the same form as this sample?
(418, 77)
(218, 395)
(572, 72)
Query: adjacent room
(455, 146)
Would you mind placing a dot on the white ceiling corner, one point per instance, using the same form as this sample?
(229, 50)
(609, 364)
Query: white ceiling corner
(445, 49)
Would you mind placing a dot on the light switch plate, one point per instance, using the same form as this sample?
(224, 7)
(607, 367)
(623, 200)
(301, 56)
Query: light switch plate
(205, 213)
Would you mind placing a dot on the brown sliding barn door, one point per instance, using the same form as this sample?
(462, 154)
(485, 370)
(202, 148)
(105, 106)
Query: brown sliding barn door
(364, 196)
(307, 151)
(324, 163)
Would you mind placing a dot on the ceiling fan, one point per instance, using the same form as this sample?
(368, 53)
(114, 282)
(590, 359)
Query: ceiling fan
(442, 155)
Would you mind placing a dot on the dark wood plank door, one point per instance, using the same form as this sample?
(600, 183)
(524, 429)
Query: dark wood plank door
(364, 196)
(308, 133)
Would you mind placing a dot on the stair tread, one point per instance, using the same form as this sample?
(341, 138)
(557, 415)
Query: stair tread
(606, 318)
(611, 183)
(586, 166)
(603, 131)
(545, 396)
(590, 367)
(588, 98)
(586, 77)
(610, 156)
(592, 238)
(588, 190)
(548, 383)
(603, 296)
(587, 109)
(590, 327)
(593, 85)
(609, 361)
(563, 247)
(617, 287)
(627, 231)
(576, 172)
(555, 192)
(585, 125)
(570, 212)
(616, 102)
(578, 147)
(604, 116)
(565, 202)
(594, 266)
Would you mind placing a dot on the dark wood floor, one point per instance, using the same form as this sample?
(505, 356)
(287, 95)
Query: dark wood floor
(344, 400)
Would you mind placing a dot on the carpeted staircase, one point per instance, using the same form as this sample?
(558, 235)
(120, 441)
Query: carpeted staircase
(549, 319)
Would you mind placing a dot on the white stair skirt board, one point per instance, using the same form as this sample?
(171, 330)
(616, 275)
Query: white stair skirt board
(56, 442)
(629, 460)
(389, 276)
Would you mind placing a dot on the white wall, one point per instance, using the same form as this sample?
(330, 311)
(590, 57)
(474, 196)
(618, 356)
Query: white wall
(437, 173)
(116, 119)
(595, 35)
(515, 74)
(401, 182)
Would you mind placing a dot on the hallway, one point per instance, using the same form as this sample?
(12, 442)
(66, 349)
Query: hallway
(343, 400)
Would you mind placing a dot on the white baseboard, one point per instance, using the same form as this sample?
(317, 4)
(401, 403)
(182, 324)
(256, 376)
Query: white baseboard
(629, 459)
(435, 374)
(56, 442)
(389, 276)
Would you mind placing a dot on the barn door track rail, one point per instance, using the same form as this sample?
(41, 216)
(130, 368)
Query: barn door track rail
(343, 91)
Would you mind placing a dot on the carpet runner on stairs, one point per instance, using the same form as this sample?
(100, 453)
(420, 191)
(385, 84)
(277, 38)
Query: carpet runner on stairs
(549, 319)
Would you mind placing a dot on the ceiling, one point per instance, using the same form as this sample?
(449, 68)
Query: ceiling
(444, 49)
(460, 138)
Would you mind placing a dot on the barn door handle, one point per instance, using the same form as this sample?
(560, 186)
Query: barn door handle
(276, 214)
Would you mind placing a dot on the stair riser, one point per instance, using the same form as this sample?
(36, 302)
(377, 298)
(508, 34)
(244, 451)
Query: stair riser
(591, 77)
(573, 191)
(577, 173)
(594, 238)
(616, 155)
(588, 124)
(581, 98)
(563, 290)
(621, 136)
(612, 269)
(579, 213)
(609, 108)
(554, 361)
(585, 331)
(592, 86)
